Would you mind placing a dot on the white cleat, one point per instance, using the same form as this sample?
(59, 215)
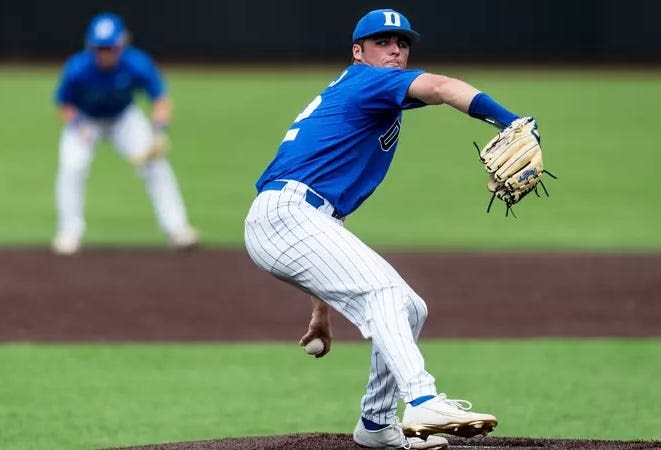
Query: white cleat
(65, 244)
(392, 436)
(185, 239)
(448, 416)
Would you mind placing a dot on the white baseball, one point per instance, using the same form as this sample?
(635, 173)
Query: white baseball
(314, 347)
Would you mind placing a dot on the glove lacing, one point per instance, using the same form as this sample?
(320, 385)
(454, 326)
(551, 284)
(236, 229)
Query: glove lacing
(509, 204)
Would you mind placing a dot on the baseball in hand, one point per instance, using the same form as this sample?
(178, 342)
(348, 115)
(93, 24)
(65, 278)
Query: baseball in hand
(314, 347)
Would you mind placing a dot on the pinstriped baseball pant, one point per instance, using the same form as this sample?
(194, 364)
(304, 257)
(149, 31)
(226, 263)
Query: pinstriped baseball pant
(306, 246)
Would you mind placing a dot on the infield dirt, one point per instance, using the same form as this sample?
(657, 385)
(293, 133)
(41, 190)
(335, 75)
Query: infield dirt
(155, 295)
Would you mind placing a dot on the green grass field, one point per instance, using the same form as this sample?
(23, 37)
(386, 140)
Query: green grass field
(599, 137)
(598, 131)
(71, 397)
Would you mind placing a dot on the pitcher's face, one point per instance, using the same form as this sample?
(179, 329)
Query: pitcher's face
(387, 50)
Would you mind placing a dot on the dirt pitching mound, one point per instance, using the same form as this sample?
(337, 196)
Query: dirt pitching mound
(329, 441)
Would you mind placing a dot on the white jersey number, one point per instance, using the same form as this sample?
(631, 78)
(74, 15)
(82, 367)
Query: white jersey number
(314, 104)
(307, 112)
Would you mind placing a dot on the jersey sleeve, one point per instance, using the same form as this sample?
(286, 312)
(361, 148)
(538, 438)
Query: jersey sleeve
(386, 90)
(150, 78)
(64, 88)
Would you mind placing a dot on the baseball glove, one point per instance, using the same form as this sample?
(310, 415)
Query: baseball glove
(160, 147)
(513, 160)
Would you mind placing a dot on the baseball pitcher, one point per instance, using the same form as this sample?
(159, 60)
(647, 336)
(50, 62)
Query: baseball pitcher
(95, 101)
(333, 157)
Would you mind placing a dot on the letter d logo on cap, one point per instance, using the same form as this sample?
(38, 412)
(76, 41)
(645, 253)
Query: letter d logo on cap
(392, 19)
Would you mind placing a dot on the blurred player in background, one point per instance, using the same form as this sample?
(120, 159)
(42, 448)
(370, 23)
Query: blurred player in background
(95, 99)
(332, 158)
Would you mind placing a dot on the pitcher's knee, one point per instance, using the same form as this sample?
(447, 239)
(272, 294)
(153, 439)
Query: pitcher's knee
(417, 312)
(420, 307)
(387, 298)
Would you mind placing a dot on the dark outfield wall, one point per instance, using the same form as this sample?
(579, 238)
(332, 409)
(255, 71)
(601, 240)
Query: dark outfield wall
(474, 30)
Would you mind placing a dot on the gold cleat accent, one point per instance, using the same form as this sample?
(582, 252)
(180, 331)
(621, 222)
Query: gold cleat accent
(465, 430)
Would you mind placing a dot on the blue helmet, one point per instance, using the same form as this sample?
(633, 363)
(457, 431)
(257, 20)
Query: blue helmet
(384, 21)
(105, 30)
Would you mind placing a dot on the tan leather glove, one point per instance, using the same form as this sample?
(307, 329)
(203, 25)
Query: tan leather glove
(513, 159)
(160, 147)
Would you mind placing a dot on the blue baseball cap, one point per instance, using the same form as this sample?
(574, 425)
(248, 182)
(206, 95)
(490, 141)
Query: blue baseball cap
(105, 30)
(384, 21)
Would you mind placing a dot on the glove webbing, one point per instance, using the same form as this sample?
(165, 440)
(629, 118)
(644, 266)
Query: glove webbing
(509, 205)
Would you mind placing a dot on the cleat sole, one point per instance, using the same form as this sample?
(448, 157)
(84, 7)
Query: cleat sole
(466, 430)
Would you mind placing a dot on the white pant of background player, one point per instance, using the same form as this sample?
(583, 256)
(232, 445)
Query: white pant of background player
(131, 135)
(289, 238)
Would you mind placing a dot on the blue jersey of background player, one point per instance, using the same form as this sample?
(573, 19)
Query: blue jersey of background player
(101, 93)
(95, 99)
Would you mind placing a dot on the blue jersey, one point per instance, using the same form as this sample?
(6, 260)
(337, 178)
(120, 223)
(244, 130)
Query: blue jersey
(106, 93)
(342, 144)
